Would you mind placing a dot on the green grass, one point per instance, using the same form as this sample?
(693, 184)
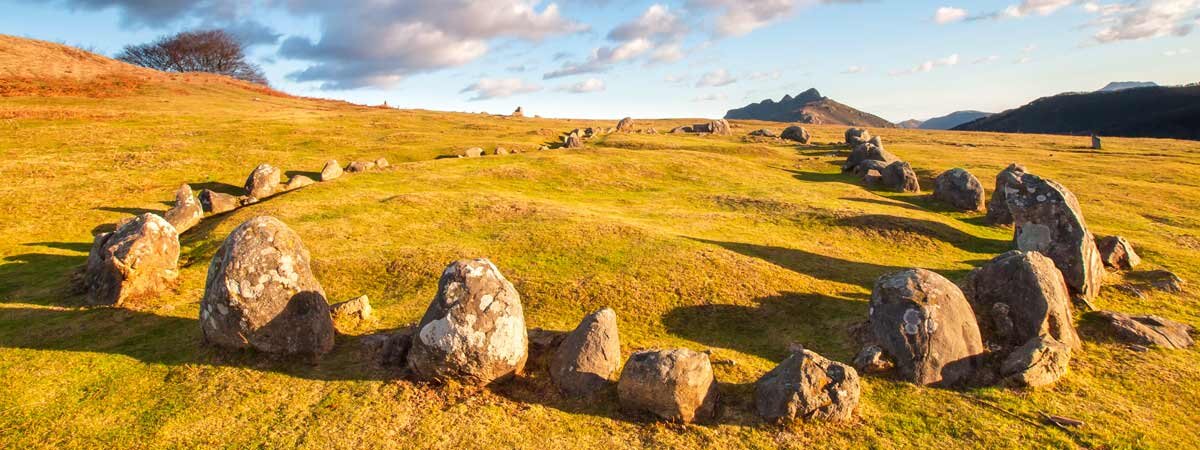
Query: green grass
(714, 243)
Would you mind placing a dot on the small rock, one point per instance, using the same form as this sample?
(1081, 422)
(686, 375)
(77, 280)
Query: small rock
(807, 386)
(866, 152)
(1148, 330)
(474, 152)
(360, 166)
(218, 203)
(134, 263)
(872, 359)
(625, 125)
(573, 141)
(186, 213)
(331, 171)
(358, 309)
(959, 189)
(588, 357)
(1097, 144)
(764, 133)
(1165, 280)
(501, 151)
(298, 182)
(381, 163)
(396, 347)
(1117, 253)
(1039, 362)
(796, 133)
(263, 181)
(518, 112)
(675, 385)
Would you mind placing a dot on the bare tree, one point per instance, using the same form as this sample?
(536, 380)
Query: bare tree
(213, 51)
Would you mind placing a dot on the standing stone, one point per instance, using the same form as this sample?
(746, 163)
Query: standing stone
(1148, 330)
(518, 112)
(473, 330)
(1047, 219)
(997, 207)
(900, 177)
(218, 203)
(1117, 253)
(675, 385)
(807, 386)
(796, 133)
(187, 211)
(263, 181)
(588, 357)
(720, 126)
(625, 125)
(1039, 362)
(1018, 296)
(925, 324)
(331, 171)
(959, 189)
(1096, 143)
(261, 293)
(573, 141)
(857, 136)
(298, 182)
(360, 166)
(133, 263)
(867, 152)
(381, 163)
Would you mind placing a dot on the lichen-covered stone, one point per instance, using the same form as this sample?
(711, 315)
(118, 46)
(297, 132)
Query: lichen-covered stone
(263, 181)
(588, 357)
(926, 326)
(186, 213)
(1039, 362)
(331, 171)
(807, 386)
(1047, 219)
(474, 329)
(625, 125)
(900, 177)
(959, 189)
(857, 136)
(864, 152)
(261, 293)
(134, 263)
(997, 207)
(675, 385)
(1018, 296)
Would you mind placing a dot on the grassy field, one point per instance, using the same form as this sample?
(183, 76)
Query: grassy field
(717, 243)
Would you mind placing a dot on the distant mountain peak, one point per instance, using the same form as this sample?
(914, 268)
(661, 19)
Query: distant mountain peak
(953, 119)
(1122, 85)
(807, 107)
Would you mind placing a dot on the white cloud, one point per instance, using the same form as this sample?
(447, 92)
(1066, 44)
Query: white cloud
(490, 88)
(657, 22)
(586, 86)
(711, 98)
(675, 78)
(986, 59)
(740, 17)
(929, 65)
(667, 53)
(947, 14)
(603, 58)
(769, 75)
(1038, 7)
(1023, 60)
(1145, 19)
(658, 32)
(1176, 52)
(716, 78)
(853, 69)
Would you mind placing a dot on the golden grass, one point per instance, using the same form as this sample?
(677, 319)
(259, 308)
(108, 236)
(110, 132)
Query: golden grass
(705, 242)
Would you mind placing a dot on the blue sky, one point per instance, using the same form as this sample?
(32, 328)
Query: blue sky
(686, 58)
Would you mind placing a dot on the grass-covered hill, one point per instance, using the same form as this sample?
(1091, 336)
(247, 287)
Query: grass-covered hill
(706, 242)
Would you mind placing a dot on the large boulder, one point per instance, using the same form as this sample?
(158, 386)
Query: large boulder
(857, 136)
(1117, 253)
(926, 326)
(900, 177)
(1039, 362)
(865, 152)
(589, 356)
(959, 189)
(1148, 330)
(676, 385)
(186, 213)
(331, 171)
(997, 207)
(1018, 296)
(625, 125)
(474, 329)
(261, 293)
(263, 181)
(796, 133)
(134, 263)
(1047, 219)
(218, 203)
(719, 126)
(807, 386)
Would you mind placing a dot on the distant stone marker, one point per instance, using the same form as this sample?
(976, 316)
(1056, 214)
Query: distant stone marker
(261, 293)
(331, 171)
(474, 329)
(518, 112)
(796, 133)
(588, 358)
(807, 386)
(263, 181)
(186, 213)
(959, 189)
(135, 262)
(625, 125)
(1097, 144)
(675, 385)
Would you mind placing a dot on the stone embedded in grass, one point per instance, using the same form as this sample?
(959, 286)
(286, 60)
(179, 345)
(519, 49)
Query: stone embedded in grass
(866, 152)
(900, 177)
(1047, 219)
(807, 386)
(1117, 253)
(959, 189)
(382, 163)
(589, 356)
(261, 293)
(872, 359)
(676, 385)
(796, 133)
(625, 125)
(926, 326)
(331, 171)
(358, 310)
(573, 141)
(857, 136)
(1018, 296)
(719, 127)
(1039, 362)
(298, 182)
(187, 211)
(501, 151)
(134, 263)
(360, 166)
(763, 132)
(682, 129)
(474, 329)
(473, 152)
(263, 181)
(997, 207)
(218, 203)
(1148, 330)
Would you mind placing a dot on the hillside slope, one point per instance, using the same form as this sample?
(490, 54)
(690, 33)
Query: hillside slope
(714, 243)
(954, 119)
(1167, 112)
(808, 107)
